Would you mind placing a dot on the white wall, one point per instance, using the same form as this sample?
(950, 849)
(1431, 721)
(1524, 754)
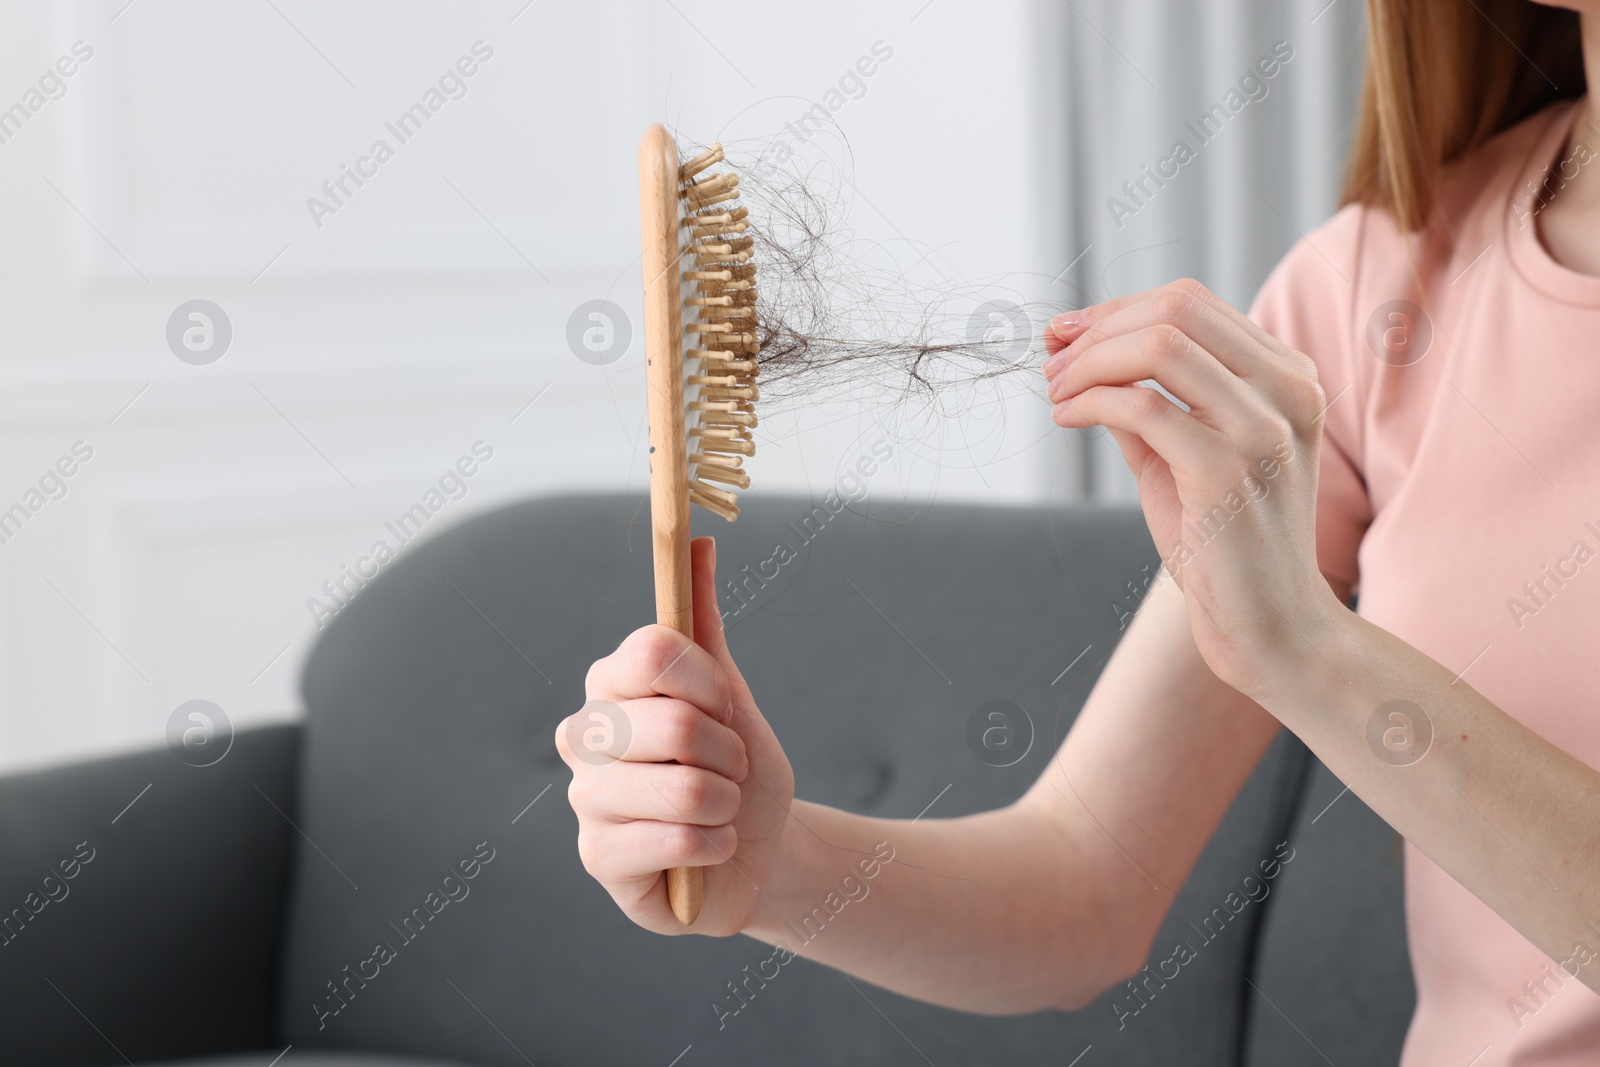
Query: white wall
(370, 352)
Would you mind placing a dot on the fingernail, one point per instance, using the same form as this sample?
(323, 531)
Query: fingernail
(1067, 325)
(1054, 364)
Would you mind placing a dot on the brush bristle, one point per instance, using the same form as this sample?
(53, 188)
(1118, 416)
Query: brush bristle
(719, 316)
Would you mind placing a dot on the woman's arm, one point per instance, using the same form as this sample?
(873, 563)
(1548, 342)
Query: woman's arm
(1229, 490)
(1043, 904)
(1511, 817)
(1046, 903)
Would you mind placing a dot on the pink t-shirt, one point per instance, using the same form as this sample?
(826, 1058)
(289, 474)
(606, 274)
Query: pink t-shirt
(1460, 492)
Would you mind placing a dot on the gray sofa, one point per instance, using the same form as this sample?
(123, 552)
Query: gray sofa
(238, 910)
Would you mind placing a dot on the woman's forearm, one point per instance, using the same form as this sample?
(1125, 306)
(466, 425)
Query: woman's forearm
(987, 913)
(1047, 902)
(1511, 817)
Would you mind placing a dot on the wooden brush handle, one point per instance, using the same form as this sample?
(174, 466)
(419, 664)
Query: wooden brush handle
(669, 457)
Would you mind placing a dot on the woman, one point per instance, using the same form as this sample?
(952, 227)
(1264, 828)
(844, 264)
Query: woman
(1416, 387)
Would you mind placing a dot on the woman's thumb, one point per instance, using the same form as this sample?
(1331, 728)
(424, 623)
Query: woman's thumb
(708, 632)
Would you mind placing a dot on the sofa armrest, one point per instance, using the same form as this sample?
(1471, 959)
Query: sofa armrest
(142, 903)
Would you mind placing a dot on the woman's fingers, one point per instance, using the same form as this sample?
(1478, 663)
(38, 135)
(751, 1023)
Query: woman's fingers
(662, 792)
(1203, 351)
(615, 853)
(1060, 332)
(1167, 429)
(659, 660)
(1219, 328)
(665, 730)
(1165, 354)
(1241, 347)
(1178, 302)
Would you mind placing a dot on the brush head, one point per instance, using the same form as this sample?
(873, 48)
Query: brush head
(701, 335)
(701, 342)
(718, 285)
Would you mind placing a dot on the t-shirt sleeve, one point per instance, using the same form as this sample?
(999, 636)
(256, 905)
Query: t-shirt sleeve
(1306, 303)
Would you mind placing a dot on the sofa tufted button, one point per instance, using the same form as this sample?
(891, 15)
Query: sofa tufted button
(867, 782)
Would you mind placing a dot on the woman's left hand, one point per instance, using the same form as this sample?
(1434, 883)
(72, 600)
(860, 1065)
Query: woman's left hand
(1228, 487)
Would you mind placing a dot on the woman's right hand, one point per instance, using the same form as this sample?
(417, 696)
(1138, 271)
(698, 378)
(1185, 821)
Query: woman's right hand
(673, 765)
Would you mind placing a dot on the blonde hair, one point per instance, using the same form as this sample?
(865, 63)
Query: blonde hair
(1443, 77)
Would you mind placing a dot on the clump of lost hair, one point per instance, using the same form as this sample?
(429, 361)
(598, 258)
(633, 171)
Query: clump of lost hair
(829, 317)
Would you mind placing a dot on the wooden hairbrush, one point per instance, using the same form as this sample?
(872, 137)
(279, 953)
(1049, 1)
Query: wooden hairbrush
(699, 285)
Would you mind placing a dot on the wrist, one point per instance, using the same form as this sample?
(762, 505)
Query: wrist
(788, 877)
(1303, 649)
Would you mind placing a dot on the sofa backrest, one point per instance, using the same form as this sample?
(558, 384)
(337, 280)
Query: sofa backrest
(431, 704)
